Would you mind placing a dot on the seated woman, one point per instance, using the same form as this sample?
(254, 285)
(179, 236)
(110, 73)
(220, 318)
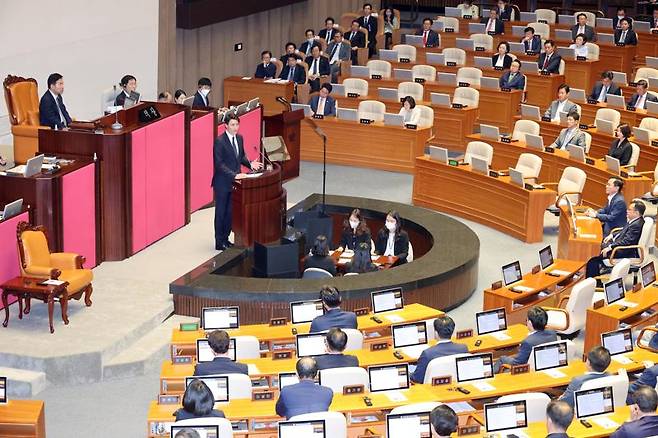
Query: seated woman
(355, 231)
(392, 240)
(198, 402)
(468, 8)
(362, 262)
(502, 59)
(579, 46)
(390, 24)
(319, 257)
(166, 97)
(180, 96)
(621, 148)
(409, 111)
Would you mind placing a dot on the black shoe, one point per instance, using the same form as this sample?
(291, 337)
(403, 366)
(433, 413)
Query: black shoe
(221, 247)
(228, 244)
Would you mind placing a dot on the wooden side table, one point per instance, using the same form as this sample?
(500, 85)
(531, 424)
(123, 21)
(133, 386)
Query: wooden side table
(28, 288)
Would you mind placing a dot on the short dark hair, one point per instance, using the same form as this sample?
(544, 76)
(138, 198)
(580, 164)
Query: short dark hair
(367, 4)
(219, 341)
(179, 93)
(529, 29)
(564, 87)
(198, 399)
(625, 129)
(356, 21)
(162, 95)
(329, 19)
(428, 19)
(265, 52)
(316, 47)
(330, 296)
(607, 74)
(336, 339)
(444, 420)
(294, 56)
(516, 61)
(642, 83)
(639, 206)
(327, 86)
(444, 326)
(574, 115)
(309, 30)
(204, 82)
(320, 246)
(625, 20)
(599, 358)
(53, 78)
(551, 42)
(621, 8)
(126, 79)
(617, 182)
(411, 100)
(583, 36)
(231, 116)
(581, 15)
(290, 43)
(538, 317)
(338, 32)
(560, 413)
(646, 398)
(307, 368)
(494, 10)
(504, 43)
(187, 433)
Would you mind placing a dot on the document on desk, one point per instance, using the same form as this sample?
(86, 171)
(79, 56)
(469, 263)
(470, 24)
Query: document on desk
(394, 318)
(628, 304)
(460, 407)
(483, 386)
(246, 78)
(52, 282)
(620, 358)
(396, 396)
(605, 422)
(560, 272)
(501, 336)
(554, 373)
(252, 369)
(522, 288)
(587, 236)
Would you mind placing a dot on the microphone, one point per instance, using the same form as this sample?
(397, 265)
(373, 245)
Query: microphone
(116, 125)
(263, 154)
(283, 100)
(320, 132)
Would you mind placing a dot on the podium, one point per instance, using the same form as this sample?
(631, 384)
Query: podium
(579, 243)
(286, 125)
(259, 208)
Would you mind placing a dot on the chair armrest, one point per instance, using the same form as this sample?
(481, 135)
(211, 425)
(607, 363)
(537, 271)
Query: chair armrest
(641, 336)
(66, 260)
(549, 184)
(615, 249)
(646, 172)
(563, 313)
(562, 300)
(43, 272)
(27, 130)
(615, 230)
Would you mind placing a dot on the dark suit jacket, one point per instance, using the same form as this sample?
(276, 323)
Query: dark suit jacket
(182, 414)
(613, 214)
(642, 427)
(621, 151)
(615, 22)
(631, 37)
(432, 38)
(629, 235)
(349, 240)
(534, 339)
(648, 378)
(371, 26)
(333, 318)
(576, 383)
(303, 398)
(265, 72)
(553, 63)
(48, 113)
(590, 33)
(400, 247)
(306, 49)
(517, 83)
(220, 365)
(439, 350)
(557, 435)
(326, 263)
(613, 89)
(507, 61)
(534, 45)
(653, 343)
(198, 100)
(499, 26)
(323, 67)
(120, 99)
(323, 34)
(649, 98)
(299, 76)
(329, 105)
(358, 40)
(225, 162)
(506, 14)
(327, 361)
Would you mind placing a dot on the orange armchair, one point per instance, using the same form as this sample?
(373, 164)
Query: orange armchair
(37, 261)
(23, 106)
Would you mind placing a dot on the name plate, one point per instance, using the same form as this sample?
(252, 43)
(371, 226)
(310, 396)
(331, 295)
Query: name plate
(630, 108)
(378, 346)
(169, 399)
(464, 84)
(520, 369)
(542, 21)
(454, 163)
(506, 89)
(148, 114)
(262, 395)
(419, 80)
(441, 380)
(449, 29)
(620, 44)
(531, 53)
(589, 161)
(545, 73)
(623, 174)
(278, 321)
(545, 119)
(583, 126)
(592, 101)
(491, 32)
(188, 326)
(352, 94)
(598, 304)
(505, 139)
(549, 149)
(451, 64)
(499, 68)
(404, 61)
(528, 187)
(364, 121)
(353, 389)
(493, 174)
(654, 143)
(632, 84)
(471, 429)
(361, 311)
(463, 334)
(581, 58)
(182, 360)
(536, 269)
(318, 116)
(375, 76)
(281, 355)
(410, 126)
(496, 285)
(479, 49)
(457, 105)
(467, 17)
(637, 287)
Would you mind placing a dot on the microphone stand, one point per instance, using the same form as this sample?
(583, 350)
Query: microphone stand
(116, 126)
(284, 101)
(321, 133)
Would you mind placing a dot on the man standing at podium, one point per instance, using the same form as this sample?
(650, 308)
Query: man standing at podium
(228, 156)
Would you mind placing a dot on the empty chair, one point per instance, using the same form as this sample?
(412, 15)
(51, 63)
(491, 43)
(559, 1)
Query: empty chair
(523, 127)
(593, 51)
(426, 72)
(247, 347)
(591, 17)
(562, 67)
(416, 407)
(480, 150)
(570, 186)
(356, 85)
(429, 329)
(529, 165)
(541, 29)
(467, 96)
(619, 385)
(412, 89)
(645, 73)
(442, 366)
(337, 378)
(619, 270)
(405, 51)
(547, 15)
(449, 22)
(609, 114)
(377, 67)
(470, 75)
(483, 40)
(335, 422)
(225, 427)
(372, 110)
(651, 125)
(635, 156)
(426, 120)
(454, 54)
(354, 339)
(239, 386)
(572, 318)
(316, 272)
(535, 404)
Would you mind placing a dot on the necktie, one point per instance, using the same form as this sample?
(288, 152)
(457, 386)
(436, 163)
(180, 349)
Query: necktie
(315, 66)
(640, 101)
(329, 35)
(290, 73)
(365, 22)
(425, 38)
(333, 51)
(546, 61)
(60, 104)
(235, 146)
(321, 103)
(490, 25)
(604, 92)
(351, 35)
(622, 39)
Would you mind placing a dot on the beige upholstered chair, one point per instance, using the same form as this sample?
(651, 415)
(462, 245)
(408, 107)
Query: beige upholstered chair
(529, 165)
(412, 89)
(563, 65)
(378, 67)
(541, 29)
(371, 110)
(454, 54)
(588, 142)
(523, 127)
(356, 85)
(593, 51)
(426, 120)
(570, 186)
(449, 22)
(547, 15)
(467, 96)
(609, 114)
(651, 125)
(483, 40)
(470, 75)
(535, 402)
(405, 51)
(478, 149)
(645, 73)
(571, 318)
(426, 72)
(635, 157)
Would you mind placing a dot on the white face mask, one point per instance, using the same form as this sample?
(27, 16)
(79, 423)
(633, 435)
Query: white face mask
(204, 92)
(390, 226)
(354, 224)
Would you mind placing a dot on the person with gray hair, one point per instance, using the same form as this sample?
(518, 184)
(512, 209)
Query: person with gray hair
(559, 416)
(306, 396)
(644, 420)
(187, 433)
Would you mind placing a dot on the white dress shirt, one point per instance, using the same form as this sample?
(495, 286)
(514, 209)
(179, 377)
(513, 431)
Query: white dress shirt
(390, 245)
(501, 61)
(321, 102)
(59, 110)
(412, 116)
(580, 50)
(234, 143)
(559, 109)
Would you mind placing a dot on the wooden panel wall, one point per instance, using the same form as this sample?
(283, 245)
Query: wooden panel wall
(187, 55)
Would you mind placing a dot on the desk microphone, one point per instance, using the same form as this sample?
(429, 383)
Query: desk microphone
(264, 155)
(116, 125)
(283, 100)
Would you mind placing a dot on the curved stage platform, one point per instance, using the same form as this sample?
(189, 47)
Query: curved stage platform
(443, 274)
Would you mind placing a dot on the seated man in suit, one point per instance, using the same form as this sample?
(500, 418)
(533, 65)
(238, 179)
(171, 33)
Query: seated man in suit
(201, 96)
(644, 420)
(329, 30)
(308, 44)
(531, 42)
(536, 323)
(571, 134)
(370, 24)
(306, 396)
(291, 49)
(654, 18)
(549, 60)
(559, 416)
(621, 15)
(323, 103)
(266, 69)
(356, 39)
(647, 378)
(613, 215)
(219, 342)
(513, 79)
(604, 87)
(625, 34)
(444, 326)
(504, 10)
(598, 360)
(335, 342)
(128, 83)
(52, 111)
(430, 37)
(444, 421)
(338, 51)
(583, 28)
(333, 316)
(318, 66)
(561, 105)
(629, 235)
(494, 25)
(292, 71)
(641, 96)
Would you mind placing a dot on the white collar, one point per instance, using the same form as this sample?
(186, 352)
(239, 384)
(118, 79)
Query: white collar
(53, 94)
(443, 341)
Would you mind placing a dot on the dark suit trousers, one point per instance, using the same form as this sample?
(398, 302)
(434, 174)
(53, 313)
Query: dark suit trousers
(223, 216)
(315, 85)
(594, 265)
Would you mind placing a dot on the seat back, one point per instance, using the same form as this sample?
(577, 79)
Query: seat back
(563, 65)
(470, 75)
(523, 127)
(247, 347)
(645, 73)
(467, 96)
(591, 17)
(619, 385)
(541, 29)
(335, 422)
(572, 180)
(225, 427)
(645, 240)
(406, 51)
(107, 98)
(33, 246)
(412, 89)
(529, 165)
(635, 156)
(372, 110)
(593, 51)
(410, 253)
(21, 96)
(579, 300)
(609, 114)
(426, 121)
(442, 366)
(547, 15)
(316, 273)
(650, 124)
(450, 22)
(480, 150)
(588, 141)
(337, 378)
(356, 85)
(279, 67)
(455, 54)
(416, 407)
(239, 386)
(354, 339)
(535, 404)
(620, 269)
(426, 72)
(483, 40)
(378, 67)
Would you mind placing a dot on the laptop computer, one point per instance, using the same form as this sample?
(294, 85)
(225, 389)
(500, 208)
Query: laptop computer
(562, 34)
(414, 40)
(512, 273)
(641, 135)
(605, 126)
(302, 429)
(453, 12)
(480, 165)
(11, 209)
(347, 114)
(408, 424)
(549, 356)
(653, 83)
(614, 291)
(31, 168)
(465, 43)
(651, 61)
(411, 338)
(359, 71)
(652, 108)
(387, 300)
(615, 101)
(242, 108)
(491, 321)
(598, 401)
(388, 93)
(218, 385)
(577, 95)
(516, 47)
(200, 429)
(531, 112)
(529, 66)
(388, 377)
(529, 17)
(403, 73)
(438, 153)
(612, 164)
(534, 142)
(393, 119)
(563, 117)
(435, 58)
(606, 38)
(253, 103)
(648, 274)
(477, 28)
(566, 19)
(576, 152)
(604, 22)
(641, 26)
(388, 55)
(302, 106)
(338, 89)
(437, 26)
(474, 367)
(567, 52)
(216, 318)
(447, 78)
(305, 311)
(482, 62)
(440, 99)
(490, 83)
(188, 101)
(516, 177)
(618, 341)
(489, 131)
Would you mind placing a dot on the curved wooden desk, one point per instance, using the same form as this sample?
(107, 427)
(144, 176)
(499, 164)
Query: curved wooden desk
(494, 202)
(581, 240)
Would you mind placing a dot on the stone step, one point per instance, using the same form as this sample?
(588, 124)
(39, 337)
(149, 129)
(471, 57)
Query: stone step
(23, 383)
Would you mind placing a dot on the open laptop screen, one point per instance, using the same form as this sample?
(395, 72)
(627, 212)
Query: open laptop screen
(302, 429)
(546, 257)
(549, 356)
(205, 354)
(614, 290)
(3, 390)
(491, 321)
(409, 425)
(618, 342)
(512, 273)
(305, 311)
(385, 300)
(202, 430)
(505, 416)
(594, 402)
(217, 384)
(405, 335)
(474, 367)
(648, 274)
(215, 318)
(388, 377)
(311, 344)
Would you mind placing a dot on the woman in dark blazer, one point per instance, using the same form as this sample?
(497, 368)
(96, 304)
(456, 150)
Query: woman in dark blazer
(502, 59)
(355, 231)
(392, 239)
(319, 257)
(362, 262)
(621, 148)
(198, 402)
